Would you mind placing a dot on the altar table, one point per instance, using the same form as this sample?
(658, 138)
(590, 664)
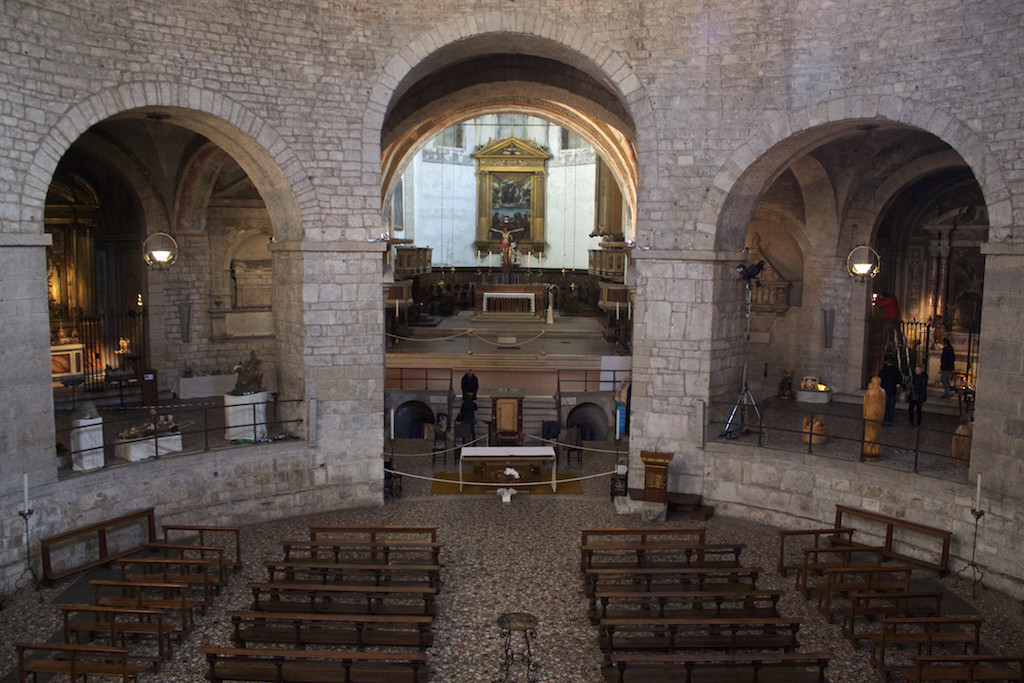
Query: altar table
(509, 456)
(134, 450)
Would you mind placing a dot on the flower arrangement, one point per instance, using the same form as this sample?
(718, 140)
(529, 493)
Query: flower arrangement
(164, 424)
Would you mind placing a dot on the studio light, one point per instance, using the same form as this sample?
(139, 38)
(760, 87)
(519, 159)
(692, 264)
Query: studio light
(160, 250)
(863, 263)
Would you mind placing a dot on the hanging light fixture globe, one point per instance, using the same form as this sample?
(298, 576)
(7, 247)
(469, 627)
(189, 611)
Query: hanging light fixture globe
(160, 250)
(863, 263)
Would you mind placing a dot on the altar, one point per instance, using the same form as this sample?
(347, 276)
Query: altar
(496, 458)
(134, 450)
(524, 300)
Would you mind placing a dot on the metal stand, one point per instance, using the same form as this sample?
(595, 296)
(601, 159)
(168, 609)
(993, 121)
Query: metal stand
(976, 573)
(746, 399)
(525, 624)
(29, 569)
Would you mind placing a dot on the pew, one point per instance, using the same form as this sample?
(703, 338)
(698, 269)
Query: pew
(365, 550)
(342, 572)
(900, 536)
(203, 574)
(206, 535)
(683, 603)
(661, 554)
(762, 667)
(708, 633)
(832, 536)
(118, 625)
(302, 629)
(75, 661)
(870, 607)
(146, 594)
(613, 538)
(213, 553)
(645, 579)
(927, 635)
(343, 599)
(373, 533)
(966, 668)
(314, 666)
(95, 538)
(861, 579)
(816, 559)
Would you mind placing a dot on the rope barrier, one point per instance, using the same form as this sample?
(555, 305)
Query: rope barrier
(499, 484)
(551, 442)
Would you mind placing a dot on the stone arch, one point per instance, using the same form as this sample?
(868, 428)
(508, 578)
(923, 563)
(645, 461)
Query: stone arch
(534, 35)
(742, 179)
(261, 152)
(591, 419)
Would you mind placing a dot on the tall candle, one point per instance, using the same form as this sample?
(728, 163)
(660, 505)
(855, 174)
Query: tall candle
(24, 482)
(529, 259)
(396, 308)
(616, 422)
(478, 257)
(629, 310)
(616, 310)
(977, 495)
(392, 424)
(625, 267)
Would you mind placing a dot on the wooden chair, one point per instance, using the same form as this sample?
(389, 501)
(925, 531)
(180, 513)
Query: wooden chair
(506, 420)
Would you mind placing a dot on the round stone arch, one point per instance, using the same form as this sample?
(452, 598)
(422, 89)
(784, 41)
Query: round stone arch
(424, 54)
(750, 170)
(261, 152)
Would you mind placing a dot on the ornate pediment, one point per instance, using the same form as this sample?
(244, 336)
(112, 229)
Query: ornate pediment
(511, 153)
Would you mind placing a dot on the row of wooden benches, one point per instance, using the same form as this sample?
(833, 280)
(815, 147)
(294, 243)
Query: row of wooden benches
(368, 593)
(142, 615)
(663, 597)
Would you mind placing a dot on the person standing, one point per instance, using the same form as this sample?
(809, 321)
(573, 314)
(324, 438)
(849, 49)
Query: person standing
(467, 415)
(918, 394)
(470, 385)
(947, 361)
(890, 376)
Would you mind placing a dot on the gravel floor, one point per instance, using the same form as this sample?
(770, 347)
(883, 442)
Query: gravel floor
(520, 556)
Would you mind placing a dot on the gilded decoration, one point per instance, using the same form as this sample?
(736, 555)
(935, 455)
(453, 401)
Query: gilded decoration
(510, 194)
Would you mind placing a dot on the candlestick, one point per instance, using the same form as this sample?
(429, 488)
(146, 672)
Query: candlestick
(25, 489)
(977, 495)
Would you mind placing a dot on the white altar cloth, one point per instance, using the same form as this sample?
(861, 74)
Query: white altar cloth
(141, 449)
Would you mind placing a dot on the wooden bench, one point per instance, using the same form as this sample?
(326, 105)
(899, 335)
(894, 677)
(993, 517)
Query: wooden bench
(683, 603)
(75, 661)
(708, 633)
(343, 572)
(148, 595)
(354, 630)
(213, 553)
(611, 538)
(645, 579)
(204, 574)
(661, 554)
(206, 535)
(819, 558)
(343, 599)
(374, 533)
(763, 667)
(365, 550)
(94, 538)
(926, 635)
(841, 581)
(871, 607)
(118, 624)
(911, 535)
(966, 668)
(314, 666)
(832, 535)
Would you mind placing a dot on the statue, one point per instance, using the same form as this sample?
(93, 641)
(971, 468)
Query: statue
(250, 376)
(874, 410)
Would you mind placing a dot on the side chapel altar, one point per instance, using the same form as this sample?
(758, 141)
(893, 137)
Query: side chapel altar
(510, 300)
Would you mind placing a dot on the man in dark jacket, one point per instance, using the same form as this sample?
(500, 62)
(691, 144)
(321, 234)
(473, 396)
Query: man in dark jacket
(918, 394)
(470, 385)
(890, 376)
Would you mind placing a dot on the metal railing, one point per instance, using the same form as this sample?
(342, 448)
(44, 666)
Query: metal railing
(139, 432)
(590, 380)
(785, 425)
(428, 379)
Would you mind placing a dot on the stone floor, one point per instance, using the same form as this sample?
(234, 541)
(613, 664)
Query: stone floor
(520, 556)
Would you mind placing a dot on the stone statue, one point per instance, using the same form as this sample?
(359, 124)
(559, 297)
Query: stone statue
(250, 376)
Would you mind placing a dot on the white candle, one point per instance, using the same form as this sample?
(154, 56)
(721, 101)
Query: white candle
(977, 495)
(529, 259)
(478, 257)
(392, 424)
(629, 310)
(24, 481)
(489, 255)
(625, 267)
(616, 310)
(396, 308)
(616, 422)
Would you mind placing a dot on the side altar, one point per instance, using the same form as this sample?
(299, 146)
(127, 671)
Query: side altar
(526, 301)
